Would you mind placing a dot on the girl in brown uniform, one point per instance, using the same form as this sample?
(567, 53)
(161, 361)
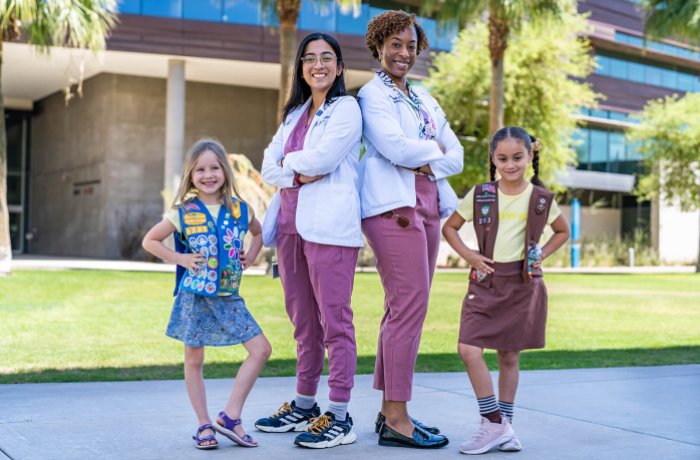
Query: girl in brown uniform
(506, 304)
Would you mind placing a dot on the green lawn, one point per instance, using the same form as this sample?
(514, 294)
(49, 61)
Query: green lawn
(58, 326)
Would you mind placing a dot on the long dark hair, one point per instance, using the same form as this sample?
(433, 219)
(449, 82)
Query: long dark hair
(531, 143)
(300, 89)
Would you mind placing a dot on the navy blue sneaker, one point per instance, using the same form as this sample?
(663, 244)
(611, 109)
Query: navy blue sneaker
(325, 431)
(288, 418)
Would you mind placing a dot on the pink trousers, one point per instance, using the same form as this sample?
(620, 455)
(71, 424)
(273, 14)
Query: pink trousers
(406, 262)
(317, 281)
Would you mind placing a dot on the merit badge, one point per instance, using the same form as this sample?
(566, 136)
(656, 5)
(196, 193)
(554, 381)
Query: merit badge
(195, 218)
(540, 207)
(236, 208)
(488, 188)
(485, 210)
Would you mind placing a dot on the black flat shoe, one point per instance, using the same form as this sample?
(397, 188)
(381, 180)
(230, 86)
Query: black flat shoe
(421, 439)
(381, 419)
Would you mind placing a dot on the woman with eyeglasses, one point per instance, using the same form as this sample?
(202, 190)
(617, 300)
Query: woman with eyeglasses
(314, 221)
(410, 152)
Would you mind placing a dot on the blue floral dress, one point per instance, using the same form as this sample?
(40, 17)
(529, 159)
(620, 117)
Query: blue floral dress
(198, 320)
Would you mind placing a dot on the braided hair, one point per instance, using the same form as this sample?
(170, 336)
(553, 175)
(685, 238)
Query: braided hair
(531, 143)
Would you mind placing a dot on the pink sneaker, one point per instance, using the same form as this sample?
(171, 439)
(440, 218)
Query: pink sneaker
(489, 435)
(514, 445)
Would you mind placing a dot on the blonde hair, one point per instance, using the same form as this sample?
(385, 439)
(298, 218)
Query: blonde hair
(228, 190)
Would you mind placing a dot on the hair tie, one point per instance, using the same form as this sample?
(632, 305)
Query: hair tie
(536, 145)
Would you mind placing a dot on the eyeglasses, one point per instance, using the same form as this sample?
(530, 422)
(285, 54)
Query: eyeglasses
(401, 220)
(311, 59)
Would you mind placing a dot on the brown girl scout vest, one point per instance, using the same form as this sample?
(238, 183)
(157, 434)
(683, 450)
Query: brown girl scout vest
(486, 225)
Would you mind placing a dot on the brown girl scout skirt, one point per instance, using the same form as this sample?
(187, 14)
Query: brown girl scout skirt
(508, 315)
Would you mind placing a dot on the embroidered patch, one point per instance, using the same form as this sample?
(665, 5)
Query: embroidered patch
(488, 188)
(485, 210)
(213, 263)
(197, 229)
(195, 218)
(210, 288)
(236, 209)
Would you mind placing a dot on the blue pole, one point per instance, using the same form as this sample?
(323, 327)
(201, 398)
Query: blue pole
(575, 233)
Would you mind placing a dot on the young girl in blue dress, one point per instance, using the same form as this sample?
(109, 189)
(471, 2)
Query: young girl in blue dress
(210, 220)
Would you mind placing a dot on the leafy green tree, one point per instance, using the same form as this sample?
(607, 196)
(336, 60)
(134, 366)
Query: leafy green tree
(669, 139)
(504, 17)
(46, 23)
(546, 63)
(672, 18)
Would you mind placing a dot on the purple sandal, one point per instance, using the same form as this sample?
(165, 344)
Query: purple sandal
(210, 437)
(227, 430)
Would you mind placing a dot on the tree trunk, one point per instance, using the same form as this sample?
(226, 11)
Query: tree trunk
(498, 42)
(5, 245)
(288, 13)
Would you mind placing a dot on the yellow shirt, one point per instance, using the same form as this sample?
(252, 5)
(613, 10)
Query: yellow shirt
(512, 218)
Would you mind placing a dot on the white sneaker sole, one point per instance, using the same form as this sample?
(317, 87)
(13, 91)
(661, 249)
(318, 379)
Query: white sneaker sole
(283, 429)
(340, 440)
(504, 438)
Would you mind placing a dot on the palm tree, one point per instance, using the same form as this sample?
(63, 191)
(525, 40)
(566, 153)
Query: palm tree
(672, 18)
(503, 17)
(46, 23)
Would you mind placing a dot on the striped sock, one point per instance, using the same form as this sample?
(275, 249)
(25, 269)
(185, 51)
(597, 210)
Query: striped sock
(506, 409)
(339, 409)
(488, 408)
(304, 402)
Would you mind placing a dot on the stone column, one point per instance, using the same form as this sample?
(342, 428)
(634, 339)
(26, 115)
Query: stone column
(174, 130)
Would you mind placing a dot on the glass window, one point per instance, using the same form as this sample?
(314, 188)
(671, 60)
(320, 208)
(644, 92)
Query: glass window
(445, 34)
(580, 138)
(603, 64)
(346, 21)
(669, 79)
(430, 29)
(599, 147)
(14, 144)
(618, 68)
(618, 116)
(242, 12)
(617, 145)
(635, 72)
(317, 16)
(685, 81)
(16, 230)
(652, 75)
(633, 150)
(599, 113)
(166, 8)
(130, 6)
(203, 10)
(14, 189)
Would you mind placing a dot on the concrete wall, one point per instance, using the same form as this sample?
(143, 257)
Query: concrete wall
(97, 165)
(678, 235)
(596, 221)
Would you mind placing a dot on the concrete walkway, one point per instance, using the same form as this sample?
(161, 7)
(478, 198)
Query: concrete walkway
(620, 413)
(34, 262)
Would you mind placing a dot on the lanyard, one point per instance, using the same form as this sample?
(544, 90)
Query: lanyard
(426, 126)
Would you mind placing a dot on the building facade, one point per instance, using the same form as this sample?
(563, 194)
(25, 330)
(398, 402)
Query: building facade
(86, 174)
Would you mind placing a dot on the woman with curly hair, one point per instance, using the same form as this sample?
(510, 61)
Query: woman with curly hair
(411, 150)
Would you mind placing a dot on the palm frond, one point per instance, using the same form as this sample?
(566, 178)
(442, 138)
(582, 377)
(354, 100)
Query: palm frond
(672, 18)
